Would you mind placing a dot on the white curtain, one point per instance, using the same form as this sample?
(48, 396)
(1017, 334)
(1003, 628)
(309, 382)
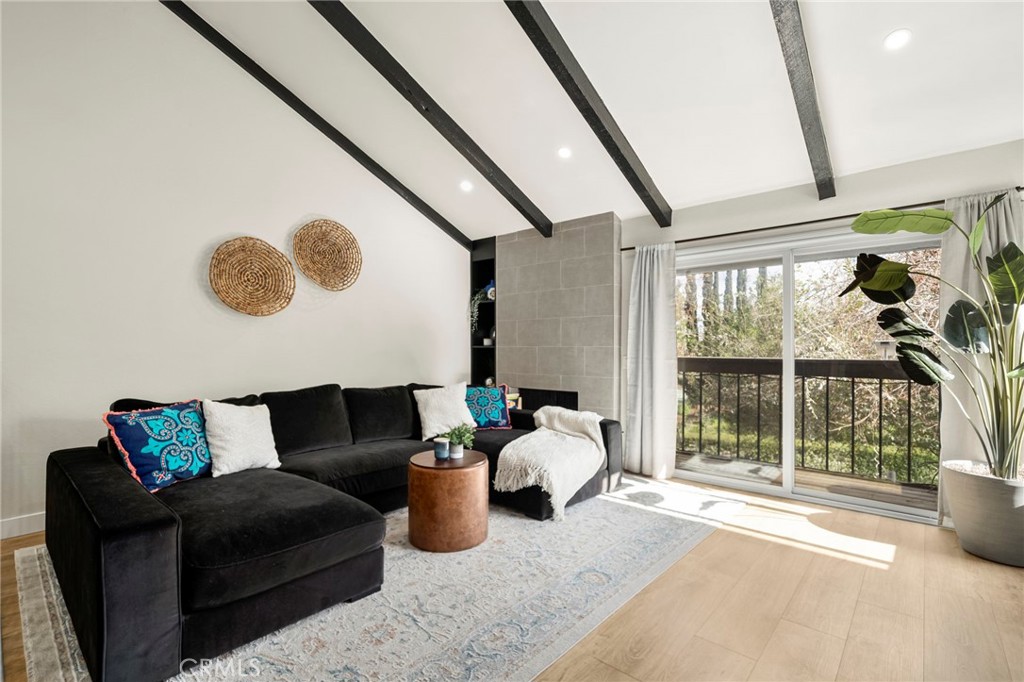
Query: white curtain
(651, 363)
(1004, 224)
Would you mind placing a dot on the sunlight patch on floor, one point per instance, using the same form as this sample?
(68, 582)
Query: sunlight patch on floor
(774, 520)
(678, 500)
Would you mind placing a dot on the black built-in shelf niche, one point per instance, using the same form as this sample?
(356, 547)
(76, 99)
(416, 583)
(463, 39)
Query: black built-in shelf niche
(482, 359)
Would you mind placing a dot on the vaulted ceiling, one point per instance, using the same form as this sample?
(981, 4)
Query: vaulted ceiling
(700, 89)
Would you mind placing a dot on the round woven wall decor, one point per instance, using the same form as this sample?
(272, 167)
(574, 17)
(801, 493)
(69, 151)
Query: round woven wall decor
(252, 276)
(328, 254)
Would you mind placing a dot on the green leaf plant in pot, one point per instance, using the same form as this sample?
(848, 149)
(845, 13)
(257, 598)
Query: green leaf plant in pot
(474, 309)
(461, 435)
(981, 343)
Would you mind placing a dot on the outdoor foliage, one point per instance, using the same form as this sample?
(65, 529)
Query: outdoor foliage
(738, 313)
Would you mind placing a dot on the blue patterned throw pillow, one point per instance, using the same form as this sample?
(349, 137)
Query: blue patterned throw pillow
(488, 407)
(163, 445)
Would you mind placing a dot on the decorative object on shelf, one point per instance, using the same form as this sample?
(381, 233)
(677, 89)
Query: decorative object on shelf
(489, 290)
(489, 382)
(441, 448)
(328, 254)
(251, 276)
(488, 342)
(494, 333)
(512, 398)
(474, 309)
(980, 333)
(459, 437)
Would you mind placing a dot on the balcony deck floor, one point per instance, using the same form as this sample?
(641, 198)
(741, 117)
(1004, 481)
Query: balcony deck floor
(915, 497)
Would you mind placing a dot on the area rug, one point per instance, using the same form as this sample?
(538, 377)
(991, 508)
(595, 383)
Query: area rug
(504, 610)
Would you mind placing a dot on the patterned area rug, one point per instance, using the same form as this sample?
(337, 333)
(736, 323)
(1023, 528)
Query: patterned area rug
(504, 610)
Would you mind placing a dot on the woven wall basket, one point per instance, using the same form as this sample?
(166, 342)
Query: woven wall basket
(252, 276)
(328, 254)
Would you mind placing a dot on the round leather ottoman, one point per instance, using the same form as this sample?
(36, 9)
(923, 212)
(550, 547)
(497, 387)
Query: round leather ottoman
(448, 501)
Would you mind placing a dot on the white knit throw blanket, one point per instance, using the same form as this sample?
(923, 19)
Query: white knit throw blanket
(563, 453)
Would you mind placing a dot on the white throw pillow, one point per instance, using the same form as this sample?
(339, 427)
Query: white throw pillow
(442, 409)
(239, 438)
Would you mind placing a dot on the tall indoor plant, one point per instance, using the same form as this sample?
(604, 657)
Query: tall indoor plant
(982, 341)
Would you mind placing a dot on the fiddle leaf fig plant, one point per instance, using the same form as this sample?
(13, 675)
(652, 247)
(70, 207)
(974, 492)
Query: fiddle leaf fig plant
(982, 338)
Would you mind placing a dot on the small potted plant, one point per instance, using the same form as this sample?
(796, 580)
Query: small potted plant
(461, 435)
(474, 309)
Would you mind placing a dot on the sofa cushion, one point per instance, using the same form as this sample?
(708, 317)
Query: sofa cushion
(417, 425)
(489, 406)
(251, 531)
(358, 469)
(239, 437)
(308, 419)
(163, 445)
(490, 442)
(379, 413)
(442, 409)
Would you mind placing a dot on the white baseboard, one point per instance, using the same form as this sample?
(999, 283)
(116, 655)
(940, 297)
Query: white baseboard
(22, 525)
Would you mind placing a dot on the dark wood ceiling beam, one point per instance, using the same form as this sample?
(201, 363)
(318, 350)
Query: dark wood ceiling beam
(186, 14)
(798, 63)
(350, 28)
(552, 47)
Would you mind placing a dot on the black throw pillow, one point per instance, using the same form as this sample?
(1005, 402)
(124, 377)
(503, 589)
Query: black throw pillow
(379, 413)
(308, 419)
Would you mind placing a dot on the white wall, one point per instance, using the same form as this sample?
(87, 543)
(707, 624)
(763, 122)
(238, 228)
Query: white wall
(933, 179)
(131, 149)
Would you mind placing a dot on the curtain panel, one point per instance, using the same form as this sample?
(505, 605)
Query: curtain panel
(651, 363)
(1004, 224)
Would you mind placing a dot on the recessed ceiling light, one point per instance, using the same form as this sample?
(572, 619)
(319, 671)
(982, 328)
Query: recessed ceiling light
(564, 152)
(897, 39)
(466, 186)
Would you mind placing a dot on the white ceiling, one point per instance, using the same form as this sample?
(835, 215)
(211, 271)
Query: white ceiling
(699, 88)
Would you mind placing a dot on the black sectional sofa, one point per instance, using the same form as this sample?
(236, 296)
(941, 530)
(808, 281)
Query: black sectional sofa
(155, 581)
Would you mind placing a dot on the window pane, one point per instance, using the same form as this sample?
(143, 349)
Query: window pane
(862, 428)
(729, 343)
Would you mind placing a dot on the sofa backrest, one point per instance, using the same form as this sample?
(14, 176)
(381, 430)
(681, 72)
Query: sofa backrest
(308, 419)
(379, 413)
(131, 404)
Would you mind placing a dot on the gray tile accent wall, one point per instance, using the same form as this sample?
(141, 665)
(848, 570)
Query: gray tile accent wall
(559, 310)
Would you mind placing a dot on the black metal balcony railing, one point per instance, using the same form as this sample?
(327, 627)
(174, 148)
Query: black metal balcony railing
(856, 417)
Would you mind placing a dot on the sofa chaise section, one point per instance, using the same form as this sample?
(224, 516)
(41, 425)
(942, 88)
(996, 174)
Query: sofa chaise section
(533, 501)
(155, 581)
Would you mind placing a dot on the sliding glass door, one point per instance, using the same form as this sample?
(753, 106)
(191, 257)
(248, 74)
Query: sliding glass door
(729, 342)
(785, 386)
(862, 428)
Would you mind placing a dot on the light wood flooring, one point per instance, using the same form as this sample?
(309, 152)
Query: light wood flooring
(784, 591)
(793, 591)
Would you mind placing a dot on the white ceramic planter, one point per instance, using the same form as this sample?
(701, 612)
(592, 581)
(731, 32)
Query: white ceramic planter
(988, 512)
(455, 451)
